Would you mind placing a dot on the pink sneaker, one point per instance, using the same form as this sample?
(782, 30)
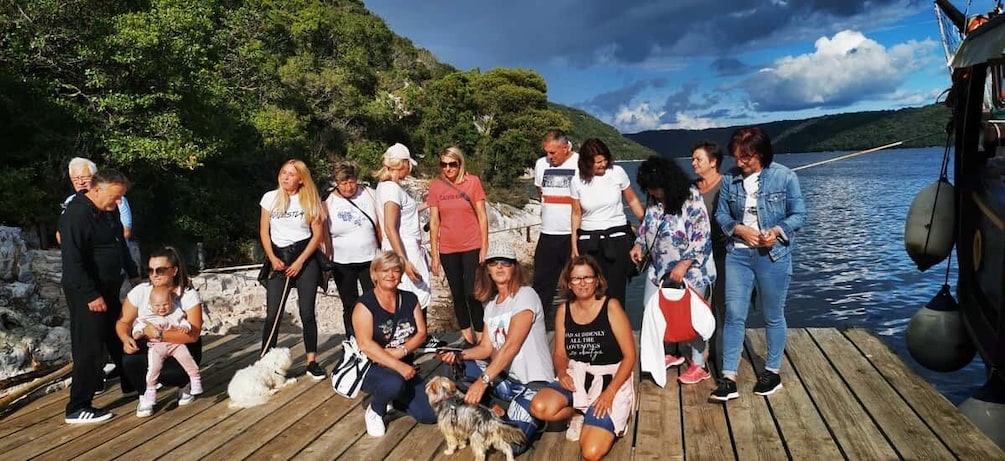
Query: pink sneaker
(671, 360)
(694, 375)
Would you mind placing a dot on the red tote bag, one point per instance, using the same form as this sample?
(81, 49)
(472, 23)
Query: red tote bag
(684, 311)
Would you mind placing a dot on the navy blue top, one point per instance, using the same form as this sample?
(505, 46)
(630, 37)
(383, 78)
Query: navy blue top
(391, 330)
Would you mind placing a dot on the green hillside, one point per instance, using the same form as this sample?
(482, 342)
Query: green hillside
(916, 126)
(586, 126)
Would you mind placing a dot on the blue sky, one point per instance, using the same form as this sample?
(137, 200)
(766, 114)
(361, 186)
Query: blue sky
(656, 64)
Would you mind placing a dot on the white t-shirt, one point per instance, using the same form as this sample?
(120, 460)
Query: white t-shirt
(556, 203)
(289, 227)
(601, 199)
(140, 297)
(353, 237)
(408, 224)
(751, 185)
(533, 361)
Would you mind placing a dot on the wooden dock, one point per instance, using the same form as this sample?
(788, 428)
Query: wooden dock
(846, 396)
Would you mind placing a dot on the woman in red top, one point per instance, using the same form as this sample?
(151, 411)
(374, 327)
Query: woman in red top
(456, 207)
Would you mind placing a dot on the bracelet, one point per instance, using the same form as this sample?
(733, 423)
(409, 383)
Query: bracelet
(404, 349)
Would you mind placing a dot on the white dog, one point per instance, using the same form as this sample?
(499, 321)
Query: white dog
(252, 385)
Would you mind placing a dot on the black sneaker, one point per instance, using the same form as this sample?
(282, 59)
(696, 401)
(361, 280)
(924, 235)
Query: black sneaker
(725, 391)
(767, 383)
(315, 371)
(87, 415)
(432, 344)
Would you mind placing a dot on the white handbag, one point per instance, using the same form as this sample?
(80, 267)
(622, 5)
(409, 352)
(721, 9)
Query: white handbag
(347, 377)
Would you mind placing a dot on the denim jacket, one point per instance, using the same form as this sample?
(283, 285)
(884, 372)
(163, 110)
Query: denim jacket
(779, 203)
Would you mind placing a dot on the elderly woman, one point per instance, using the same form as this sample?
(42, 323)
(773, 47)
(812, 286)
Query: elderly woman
(599, 226)
(676, 234)
(511, 360)
(389, 327)
(291, 231)
(166, 270)
(760, 208)
(456, 207)
(706, 159)
(355, 236)
(594, 357)
(399, 218)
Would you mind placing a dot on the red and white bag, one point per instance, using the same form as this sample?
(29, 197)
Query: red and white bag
(687, 314)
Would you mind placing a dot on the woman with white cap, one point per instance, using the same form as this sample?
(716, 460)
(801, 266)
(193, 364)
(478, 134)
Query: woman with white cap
(512, 360)
(398, 215)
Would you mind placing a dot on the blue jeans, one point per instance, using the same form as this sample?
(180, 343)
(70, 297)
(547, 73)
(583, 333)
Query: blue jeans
(386, 385)
(517, 394)
(745, 269)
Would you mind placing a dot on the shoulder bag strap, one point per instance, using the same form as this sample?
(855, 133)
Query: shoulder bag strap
(463, 195)
(368, 218)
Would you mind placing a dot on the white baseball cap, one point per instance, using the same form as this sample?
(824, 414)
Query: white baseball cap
(399, 152)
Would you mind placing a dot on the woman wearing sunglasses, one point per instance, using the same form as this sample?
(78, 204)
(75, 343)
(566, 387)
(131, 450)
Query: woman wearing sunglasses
(165, 270)
(511, 360)
(456, 207)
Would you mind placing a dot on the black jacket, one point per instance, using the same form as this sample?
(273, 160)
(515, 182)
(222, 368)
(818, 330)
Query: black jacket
(94, 250)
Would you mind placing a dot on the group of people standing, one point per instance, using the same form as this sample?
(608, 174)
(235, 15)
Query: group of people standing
(723, 234)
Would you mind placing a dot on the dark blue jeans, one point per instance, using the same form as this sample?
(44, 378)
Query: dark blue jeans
(386, 385)
(518, 395)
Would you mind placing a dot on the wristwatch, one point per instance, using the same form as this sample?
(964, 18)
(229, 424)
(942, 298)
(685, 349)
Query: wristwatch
(486, 379)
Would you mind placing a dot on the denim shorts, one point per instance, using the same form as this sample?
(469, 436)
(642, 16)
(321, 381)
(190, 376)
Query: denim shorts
(589, 419)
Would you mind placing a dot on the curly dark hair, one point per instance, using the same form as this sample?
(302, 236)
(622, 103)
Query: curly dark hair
(658, 172)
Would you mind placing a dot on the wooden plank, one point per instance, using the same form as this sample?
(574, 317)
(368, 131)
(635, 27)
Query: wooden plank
(138, 430)
(706, 434)
(214, 409)
(751, 423)
(908, 434)
(422, 443)
(802, 428)
(54, 434)
(330, 409)
(659, 434)
(961, 437)
(238, 433)
(855, 433)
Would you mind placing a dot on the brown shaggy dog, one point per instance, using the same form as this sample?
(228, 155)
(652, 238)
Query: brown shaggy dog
(460, 422)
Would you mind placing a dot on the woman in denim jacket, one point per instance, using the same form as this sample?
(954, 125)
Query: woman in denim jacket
(761, 209)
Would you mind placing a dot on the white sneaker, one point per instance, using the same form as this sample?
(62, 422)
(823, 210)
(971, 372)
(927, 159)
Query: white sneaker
(184, 397)
(575, 428)
(146, 406)
(374, 423)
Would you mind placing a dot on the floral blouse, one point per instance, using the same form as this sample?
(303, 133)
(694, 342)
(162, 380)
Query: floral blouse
(683, 236)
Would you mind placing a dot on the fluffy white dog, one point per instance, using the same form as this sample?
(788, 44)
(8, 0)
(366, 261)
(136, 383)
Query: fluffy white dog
(252, 385)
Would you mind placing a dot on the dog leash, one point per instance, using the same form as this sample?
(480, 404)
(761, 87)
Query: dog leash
(279, 314)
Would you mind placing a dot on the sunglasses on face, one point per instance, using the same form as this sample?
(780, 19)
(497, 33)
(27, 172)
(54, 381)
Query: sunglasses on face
(499, 262)
(163, 270)
(454, 164)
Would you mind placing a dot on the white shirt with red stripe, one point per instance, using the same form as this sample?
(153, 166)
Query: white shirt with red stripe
(556, 199)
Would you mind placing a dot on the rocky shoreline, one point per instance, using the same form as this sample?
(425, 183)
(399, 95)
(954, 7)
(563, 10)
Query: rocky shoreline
(34, 321)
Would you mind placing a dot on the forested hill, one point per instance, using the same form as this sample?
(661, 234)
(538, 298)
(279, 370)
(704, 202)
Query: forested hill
(199, 102)
(918, 127)
(586, 126)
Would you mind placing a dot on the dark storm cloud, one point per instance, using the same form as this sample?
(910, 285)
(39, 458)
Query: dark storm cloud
(610, 101)
(583, 31)
(730, 67)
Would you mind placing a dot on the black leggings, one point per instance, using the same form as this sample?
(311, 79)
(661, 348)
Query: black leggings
(460, 271)
(134, 367)
(346, 277)
(550, 256)
(306, 283)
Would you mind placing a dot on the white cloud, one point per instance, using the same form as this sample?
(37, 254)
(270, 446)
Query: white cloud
(686, 122)
(844, 69)
(642, 117)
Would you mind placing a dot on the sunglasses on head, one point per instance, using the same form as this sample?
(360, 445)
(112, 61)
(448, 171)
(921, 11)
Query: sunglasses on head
(163, 270)
(453, 164)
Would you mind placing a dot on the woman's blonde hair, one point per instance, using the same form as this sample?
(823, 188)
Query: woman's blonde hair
(454, 152)
(310, 200)
(386, 260)
(389, 172)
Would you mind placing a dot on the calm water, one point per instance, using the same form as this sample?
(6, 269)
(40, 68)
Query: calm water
(850, 268)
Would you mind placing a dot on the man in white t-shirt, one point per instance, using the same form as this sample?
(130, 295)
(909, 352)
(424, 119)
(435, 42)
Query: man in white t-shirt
(553, 174)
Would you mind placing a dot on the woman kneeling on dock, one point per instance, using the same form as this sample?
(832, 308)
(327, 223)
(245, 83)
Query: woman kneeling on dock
(594, 356)
(511, 360)
(388, 326)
